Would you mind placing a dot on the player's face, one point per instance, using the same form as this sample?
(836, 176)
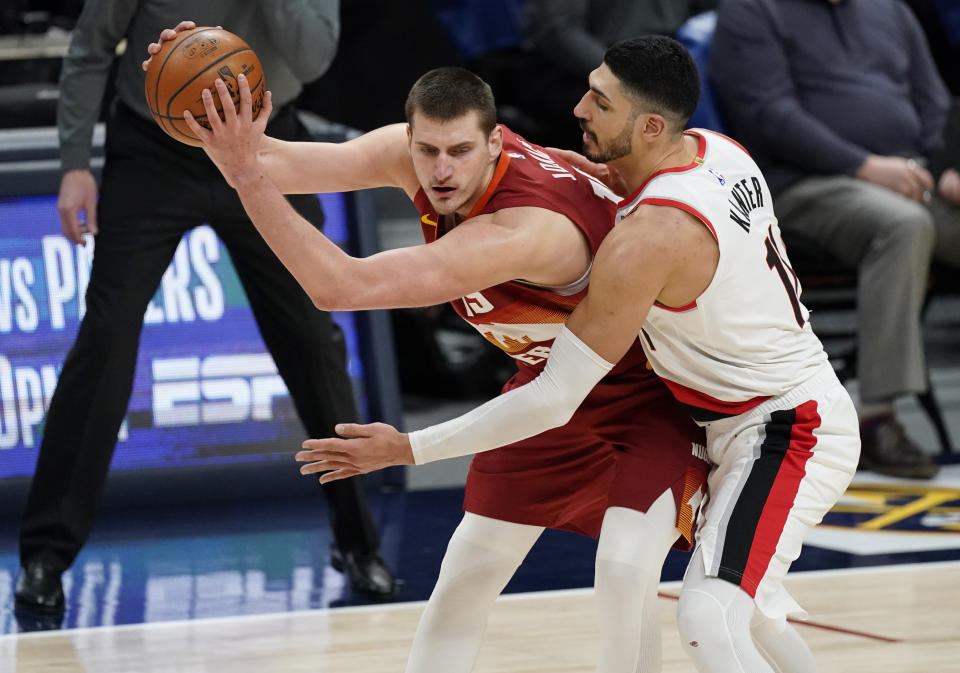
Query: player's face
(607, 118)
(454, 160)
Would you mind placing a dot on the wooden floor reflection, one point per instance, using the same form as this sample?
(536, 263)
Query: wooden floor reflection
(897, 619)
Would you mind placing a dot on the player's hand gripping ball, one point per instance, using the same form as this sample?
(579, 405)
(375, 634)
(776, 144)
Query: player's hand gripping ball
(191, 62)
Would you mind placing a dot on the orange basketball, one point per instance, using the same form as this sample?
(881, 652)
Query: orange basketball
(192, 62)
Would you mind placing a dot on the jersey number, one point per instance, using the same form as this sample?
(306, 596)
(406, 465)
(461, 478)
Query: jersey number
(599, 189)
(475, 303)
(787, 275)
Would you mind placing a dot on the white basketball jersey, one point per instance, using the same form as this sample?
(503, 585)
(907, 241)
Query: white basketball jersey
(747, 337)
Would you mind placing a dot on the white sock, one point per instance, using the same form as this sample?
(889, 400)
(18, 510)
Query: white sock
(714, 617)
(630, 557)
(481, 558)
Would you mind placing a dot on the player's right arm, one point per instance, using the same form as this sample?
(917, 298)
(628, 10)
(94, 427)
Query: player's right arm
(379, 158)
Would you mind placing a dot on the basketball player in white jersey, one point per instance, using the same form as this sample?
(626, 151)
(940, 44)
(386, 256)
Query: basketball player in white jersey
(696, 267)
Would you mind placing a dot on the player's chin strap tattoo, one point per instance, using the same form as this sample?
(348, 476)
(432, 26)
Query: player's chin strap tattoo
(549, 401)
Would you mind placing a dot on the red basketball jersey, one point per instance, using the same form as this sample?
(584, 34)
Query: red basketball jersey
(629, 441)
(520, 318)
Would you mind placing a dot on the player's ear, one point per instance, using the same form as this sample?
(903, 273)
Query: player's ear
(495, 141)
(652, 126)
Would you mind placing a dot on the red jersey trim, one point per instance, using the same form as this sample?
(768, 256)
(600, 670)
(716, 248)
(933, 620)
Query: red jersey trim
(697, 214)
(698, 160)
(744, 149)
(677, 309)
(701, 400)
(501, 168)
(682, 206)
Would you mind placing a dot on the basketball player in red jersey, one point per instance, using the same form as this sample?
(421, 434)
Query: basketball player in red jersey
(697, 268)
(510, 235)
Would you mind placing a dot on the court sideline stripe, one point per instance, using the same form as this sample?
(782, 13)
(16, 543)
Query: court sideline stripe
(390, 607)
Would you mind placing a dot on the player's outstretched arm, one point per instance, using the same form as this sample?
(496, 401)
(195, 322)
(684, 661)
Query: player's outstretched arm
(528, 243)
(546, 402)
(629, 273)
(379, 158)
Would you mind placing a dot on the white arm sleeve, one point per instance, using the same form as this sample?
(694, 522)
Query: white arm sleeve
(549, 401)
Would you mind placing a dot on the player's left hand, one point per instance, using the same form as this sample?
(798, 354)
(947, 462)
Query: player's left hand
(365, 449)
(231, 142)
(166, 35)
(604, 173)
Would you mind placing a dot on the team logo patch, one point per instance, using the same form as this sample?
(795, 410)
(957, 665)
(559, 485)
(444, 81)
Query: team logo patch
(722, 180)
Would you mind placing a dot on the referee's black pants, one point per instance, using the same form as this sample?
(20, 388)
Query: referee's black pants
(153, 190)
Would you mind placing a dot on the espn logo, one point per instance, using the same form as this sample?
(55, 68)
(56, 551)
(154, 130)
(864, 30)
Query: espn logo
(215, 389)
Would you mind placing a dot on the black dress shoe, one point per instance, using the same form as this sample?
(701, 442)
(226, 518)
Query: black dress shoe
(886, 449)
(369, 576)
(28, 620)
(39, 588)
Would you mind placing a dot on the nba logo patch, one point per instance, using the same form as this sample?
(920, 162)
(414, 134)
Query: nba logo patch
(722, 180)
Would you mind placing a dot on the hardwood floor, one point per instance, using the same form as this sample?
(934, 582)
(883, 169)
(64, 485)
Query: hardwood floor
(897, 619)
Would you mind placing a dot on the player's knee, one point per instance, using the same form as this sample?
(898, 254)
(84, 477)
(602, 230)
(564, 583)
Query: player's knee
(468, 568)
(702, 622)
(615, 573)
(641, 539)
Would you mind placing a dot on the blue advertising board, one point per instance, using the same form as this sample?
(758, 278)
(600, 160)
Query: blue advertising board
(206, 390)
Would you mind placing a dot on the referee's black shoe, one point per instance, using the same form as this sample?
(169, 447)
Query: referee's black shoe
(369, 576)
(886, 449)
(39, 588)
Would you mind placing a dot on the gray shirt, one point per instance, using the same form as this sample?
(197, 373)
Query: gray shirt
(295, 41)
(812, 87)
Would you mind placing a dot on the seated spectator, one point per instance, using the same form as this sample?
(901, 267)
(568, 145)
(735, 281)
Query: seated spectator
(567, 39)
(840, 104)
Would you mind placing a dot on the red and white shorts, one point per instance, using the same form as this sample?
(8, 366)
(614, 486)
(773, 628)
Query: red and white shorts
(780, 467)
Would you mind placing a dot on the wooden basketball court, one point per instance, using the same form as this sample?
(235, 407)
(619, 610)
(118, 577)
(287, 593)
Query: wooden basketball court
(894, 619)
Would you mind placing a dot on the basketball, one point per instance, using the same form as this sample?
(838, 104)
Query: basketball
(192, 62)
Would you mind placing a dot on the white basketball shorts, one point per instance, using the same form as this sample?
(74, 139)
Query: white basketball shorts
(779, 468)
